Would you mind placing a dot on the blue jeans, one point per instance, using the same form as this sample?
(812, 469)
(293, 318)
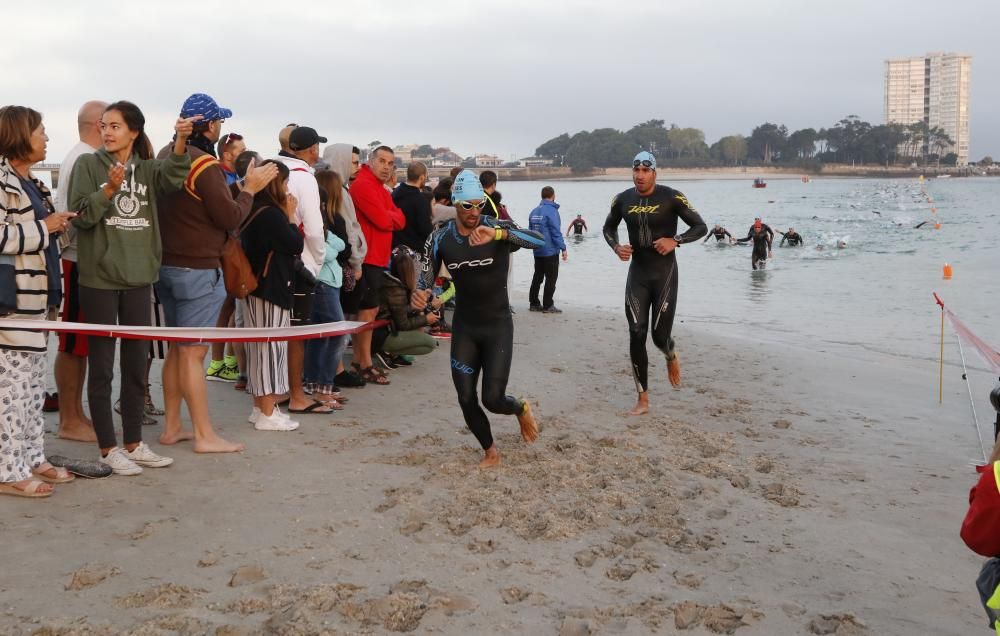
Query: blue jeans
(323, 354)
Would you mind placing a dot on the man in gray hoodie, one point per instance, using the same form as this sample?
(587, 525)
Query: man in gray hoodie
(345, 160)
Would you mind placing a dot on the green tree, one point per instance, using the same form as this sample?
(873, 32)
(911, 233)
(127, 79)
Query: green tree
(730, 150)
(801, 144)
(767, 142)
(687, 142)
(949, 159)
(651, 136)
(555, 147)
(986, 161)
(424, 150)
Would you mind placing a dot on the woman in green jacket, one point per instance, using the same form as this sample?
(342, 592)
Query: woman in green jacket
(405, 334)
(114, 190)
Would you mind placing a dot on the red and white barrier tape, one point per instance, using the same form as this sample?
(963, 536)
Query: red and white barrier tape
(188, 334)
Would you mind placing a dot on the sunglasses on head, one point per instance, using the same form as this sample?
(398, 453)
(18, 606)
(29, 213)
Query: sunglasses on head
(229, 138)
(642, 162)
(468, 206)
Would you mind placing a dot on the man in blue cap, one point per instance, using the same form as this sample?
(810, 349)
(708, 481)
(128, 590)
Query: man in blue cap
(476, 250)
(195, 222)
(650, 213)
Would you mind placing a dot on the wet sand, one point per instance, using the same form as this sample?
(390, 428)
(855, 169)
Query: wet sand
(779, 491)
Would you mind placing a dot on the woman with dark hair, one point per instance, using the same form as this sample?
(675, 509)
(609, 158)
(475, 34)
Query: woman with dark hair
(323, 355)
(405, 334)
(30, 289)
(271, 241)
(118, 246)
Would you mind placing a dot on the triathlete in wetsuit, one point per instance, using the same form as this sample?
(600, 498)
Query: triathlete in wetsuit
(476, 250)
(650, 213)
(794, 238)
(719, 233)
(578, 225)
(762, 236)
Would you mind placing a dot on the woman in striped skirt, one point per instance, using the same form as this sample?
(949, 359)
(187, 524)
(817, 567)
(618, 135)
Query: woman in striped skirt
(271, 241)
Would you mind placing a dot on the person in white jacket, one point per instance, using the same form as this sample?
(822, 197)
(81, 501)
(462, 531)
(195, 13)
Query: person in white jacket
(303, 144)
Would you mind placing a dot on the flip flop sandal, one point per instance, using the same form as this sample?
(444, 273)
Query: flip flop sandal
(371, 375)
(329, 399)
(30, 490)
(89, 468)
(63, 476)
(312, 409)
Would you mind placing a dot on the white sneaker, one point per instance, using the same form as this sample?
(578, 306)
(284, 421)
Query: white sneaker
(144, 456)
(277, 421)
(120, 463)
(255, 413)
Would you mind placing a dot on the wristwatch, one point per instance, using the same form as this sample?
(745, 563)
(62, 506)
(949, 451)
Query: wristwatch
(678, 238)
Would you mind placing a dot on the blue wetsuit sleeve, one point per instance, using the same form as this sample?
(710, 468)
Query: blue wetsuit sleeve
(517, 236)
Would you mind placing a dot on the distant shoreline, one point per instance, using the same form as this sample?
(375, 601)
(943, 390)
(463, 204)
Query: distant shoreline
(727, 173)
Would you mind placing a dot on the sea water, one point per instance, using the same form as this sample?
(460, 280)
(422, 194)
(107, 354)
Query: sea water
(875, 294)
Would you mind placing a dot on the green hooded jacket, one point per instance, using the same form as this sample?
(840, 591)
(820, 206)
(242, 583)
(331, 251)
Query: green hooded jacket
(119, 239)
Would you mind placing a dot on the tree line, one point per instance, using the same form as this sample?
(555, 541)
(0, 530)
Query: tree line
(851, 140)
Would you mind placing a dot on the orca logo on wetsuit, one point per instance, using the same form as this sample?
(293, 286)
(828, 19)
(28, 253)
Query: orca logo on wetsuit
(476, 263)
(461, 367)
(643, 209)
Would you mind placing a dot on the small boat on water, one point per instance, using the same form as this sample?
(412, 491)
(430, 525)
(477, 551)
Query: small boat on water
(759, 183)
(805, 178)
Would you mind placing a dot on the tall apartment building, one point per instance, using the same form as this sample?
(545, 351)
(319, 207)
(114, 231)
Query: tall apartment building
(933, 89)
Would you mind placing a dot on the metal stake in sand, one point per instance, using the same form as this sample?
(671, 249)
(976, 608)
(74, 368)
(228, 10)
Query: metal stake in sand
(972, 402)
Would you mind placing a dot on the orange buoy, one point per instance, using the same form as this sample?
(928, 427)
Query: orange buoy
(947, 271)
(937, 226)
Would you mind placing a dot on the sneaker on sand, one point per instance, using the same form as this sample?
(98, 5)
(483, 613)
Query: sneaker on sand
(255, 413)
(277, 421)
(146, 419)
(551, 310)
(119, 462)
(144, 456)
(219, 372)
(534, 307)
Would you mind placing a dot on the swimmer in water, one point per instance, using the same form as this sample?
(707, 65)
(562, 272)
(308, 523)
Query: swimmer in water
(794, 238)
(719, 233)
(762, 236)
(577, 225)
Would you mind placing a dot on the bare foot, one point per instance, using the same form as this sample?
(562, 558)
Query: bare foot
(491, 458)
(217, 445)
(674, 371)
(641, 405)
(77, 432)
(529, 429)
(170, 439)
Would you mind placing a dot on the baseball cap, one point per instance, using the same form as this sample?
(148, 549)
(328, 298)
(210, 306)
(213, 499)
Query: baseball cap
(204, 105)
(644, 157)
(467, 187)
(303, 137)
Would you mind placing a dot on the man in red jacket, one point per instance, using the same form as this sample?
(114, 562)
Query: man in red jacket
(379, 218)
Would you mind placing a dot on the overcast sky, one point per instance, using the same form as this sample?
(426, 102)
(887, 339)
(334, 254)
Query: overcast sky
(488, 77)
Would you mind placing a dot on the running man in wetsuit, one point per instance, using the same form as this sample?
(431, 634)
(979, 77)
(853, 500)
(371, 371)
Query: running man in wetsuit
(578, 225)
(719, 233)
(650, 213)
(794, 238)
(762, 236)
(476, 249)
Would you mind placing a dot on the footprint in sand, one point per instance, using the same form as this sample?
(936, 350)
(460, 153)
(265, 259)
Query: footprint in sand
(91, 575)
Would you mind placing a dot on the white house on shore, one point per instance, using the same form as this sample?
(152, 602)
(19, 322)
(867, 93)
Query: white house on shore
(488, 161)
(535, 162)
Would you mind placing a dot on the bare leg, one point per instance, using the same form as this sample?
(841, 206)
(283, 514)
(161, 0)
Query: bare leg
(491, 458)
(529, 428)
(641, 405)
(70, 373)
(674, 371)
(194, 389)
(173, 428)
(363, 341)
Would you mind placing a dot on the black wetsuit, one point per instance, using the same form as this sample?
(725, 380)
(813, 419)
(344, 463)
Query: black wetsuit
(652, 277)
(482, 332)
(794, 239)
(579, 225)
(719, 234)
(761, 243)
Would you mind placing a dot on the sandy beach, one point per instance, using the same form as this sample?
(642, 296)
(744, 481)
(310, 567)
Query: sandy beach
(779, 491)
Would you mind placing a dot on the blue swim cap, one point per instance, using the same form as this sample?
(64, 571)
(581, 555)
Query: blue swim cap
(644, 157)
(467, 187)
